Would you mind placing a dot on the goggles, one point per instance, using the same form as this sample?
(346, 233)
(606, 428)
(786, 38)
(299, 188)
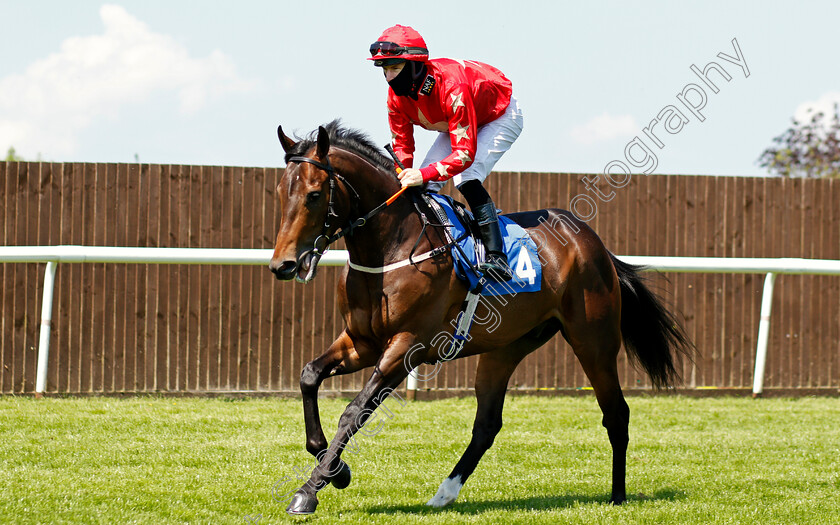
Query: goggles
(390, 49)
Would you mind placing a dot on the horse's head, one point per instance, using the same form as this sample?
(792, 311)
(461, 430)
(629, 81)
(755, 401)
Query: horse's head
(305, 193)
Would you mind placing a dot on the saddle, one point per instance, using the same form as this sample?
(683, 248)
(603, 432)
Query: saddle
(467, 249)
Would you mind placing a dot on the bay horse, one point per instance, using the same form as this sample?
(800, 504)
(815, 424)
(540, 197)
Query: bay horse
(336, 183)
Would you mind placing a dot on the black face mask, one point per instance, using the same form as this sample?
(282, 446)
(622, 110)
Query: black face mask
(408, 81)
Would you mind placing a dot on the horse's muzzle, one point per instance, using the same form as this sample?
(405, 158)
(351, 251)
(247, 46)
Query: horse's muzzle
(303, 270)
(283, 270)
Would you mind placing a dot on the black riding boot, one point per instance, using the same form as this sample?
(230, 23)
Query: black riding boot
(495, 267)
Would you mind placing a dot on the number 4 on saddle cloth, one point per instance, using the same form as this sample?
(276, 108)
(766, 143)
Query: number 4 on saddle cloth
(468, 251)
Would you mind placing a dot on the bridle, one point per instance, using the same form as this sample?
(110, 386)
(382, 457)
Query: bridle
(325, 239)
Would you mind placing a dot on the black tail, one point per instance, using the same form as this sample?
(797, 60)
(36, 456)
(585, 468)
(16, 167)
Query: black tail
(652, 336)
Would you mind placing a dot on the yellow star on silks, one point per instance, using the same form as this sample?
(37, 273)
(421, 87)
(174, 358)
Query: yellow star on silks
(463, 156)
(456, 101)
(441, 169)
(460, 133)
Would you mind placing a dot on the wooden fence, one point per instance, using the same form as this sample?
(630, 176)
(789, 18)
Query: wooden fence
(201, 329)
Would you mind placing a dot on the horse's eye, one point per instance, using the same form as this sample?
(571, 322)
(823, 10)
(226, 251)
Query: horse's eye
(312, 197)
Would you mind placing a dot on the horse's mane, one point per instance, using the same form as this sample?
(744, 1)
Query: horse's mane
(346, 138)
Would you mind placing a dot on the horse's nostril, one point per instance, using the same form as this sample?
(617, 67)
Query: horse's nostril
(283, 270)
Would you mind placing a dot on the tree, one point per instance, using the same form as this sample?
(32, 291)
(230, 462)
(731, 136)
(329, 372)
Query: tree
(810, 149)
(12, 157)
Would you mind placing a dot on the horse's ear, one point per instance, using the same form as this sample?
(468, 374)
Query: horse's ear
(323, 143)
(285, 141)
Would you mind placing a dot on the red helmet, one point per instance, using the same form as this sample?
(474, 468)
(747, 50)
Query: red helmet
(399, 42)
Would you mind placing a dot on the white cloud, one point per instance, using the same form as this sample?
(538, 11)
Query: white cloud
(605, 127)
(825, 104)
(90, 77)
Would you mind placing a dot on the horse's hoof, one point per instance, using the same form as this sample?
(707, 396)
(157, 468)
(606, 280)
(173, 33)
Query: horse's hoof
(302, 503)
(342, 479)
(447, 493)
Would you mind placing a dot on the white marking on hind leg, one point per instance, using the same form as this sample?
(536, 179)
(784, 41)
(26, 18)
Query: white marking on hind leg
(447, 492)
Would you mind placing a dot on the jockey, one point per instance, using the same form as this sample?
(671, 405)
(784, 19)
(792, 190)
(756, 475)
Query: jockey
(471, 105)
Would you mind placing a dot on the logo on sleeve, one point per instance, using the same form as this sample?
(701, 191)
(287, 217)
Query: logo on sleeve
(428, 85)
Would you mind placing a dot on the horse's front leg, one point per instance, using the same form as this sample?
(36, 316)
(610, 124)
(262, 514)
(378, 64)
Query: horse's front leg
(342, 357)
(387, 375)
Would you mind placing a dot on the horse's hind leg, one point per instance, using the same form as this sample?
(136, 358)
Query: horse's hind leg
(598, 359)
(494, 371)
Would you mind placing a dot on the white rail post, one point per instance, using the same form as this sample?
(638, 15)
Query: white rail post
(763, 334)
(46, 321)
(411, 386)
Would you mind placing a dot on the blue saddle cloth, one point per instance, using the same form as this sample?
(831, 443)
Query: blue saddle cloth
(521, 254)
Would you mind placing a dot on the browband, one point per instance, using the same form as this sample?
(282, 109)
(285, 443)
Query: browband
(321, 165)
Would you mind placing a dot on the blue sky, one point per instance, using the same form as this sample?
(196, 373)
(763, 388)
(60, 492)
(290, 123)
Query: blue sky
(207, 82)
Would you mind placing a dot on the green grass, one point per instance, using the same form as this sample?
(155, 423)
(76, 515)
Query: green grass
(193, 460)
